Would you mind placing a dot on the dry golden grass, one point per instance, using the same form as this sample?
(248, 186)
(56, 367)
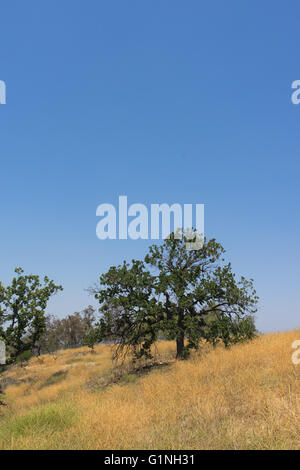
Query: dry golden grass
(247, 397)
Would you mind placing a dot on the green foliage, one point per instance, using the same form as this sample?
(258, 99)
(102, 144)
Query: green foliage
(91, 338)
(75, 330)
(46, 420)
(175, 291)
(229, 331)
(130, 309)
(24, 356)
(22, 311)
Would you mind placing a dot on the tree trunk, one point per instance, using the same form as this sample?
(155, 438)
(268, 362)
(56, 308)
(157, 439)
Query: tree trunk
(180, 345)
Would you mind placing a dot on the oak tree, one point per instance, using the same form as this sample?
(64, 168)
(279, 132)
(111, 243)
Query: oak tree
(189, 295)
(22, 311)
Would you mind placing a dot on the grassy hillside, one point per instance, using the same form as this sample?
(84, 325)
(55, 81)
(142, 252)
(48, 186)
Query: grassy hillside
(247, 397)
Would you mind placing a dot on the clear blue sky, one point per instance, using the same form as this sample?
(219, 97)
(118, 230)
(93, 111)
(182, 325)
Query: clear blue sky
(163, 101)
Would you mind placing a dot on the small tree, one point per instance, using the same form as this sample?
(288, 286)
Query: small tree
(91, 338)
(69, 332)
(22, 311)
(177, 294)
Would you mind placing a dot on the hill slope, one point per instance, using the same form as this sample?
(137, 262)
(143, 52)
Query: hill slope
(247, 397)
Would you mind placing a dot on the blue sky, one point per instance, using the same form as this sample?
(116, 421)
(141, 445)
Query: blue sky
(171, 101)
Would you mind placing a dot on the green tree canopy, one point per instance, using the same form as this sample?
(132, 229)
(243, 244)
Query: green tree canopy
(186, 294)
(22, 311)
